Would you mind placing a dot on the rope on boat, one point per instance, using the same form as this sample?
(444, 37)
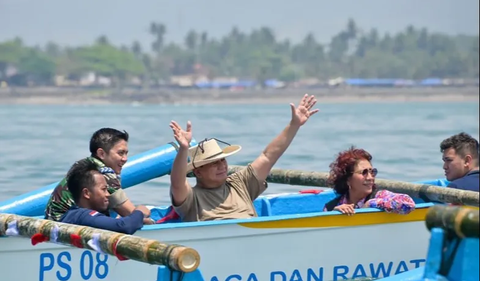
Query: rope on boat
(425, 191)
(123, 246)
(459, 221)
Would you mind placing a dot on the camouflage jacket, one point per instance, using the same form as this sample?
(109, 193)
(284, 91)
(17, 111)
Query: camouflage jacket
(61, 199)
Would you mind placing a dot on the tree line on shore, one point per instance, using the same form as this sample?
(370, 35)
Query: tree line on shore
(414, 53)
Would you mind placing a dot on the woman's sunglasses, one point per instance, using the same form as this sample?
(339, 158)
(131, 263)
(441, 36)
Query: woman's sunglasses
(365, 172)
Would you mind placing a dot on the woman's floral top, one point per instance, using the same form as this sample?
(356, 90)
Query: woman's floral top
(386, 200)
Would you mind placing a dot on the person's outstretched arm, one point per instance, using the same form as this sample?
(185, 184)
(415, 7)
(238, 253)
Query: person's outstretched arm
(179, 186)
(128, 225)
(267, 159)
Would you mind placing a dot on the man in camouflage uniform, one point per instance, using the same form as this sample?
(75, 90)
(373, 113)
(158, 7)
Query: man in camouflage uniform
(109, 149)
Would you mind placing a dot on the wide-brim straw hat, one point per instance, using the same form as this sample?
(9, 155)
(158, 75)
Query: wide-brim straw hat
(208, 151)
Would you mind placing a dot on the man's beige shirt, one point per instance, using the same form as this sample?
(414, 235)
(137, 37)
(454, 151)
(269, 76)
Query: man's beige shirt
(232, 200)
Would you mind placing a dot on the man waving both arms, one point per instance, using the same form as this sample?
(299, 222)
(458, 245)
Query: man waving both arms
(217, 195)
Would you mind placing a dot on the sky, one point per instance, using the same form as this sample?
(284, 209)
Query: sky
(80, 22)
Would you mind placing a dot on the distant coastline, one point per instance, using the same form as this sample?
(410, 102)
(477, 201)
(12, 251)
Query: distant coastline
(54, 95)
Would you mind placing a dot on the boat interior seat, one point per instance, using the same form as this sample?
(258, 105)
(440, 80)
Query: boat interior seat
(273, 205)
(264, 205)
(310, 201)
(301, 203)
(306, 201)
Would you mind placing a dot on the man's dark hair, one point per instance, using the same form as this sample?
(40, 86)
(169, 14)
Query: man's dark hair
(463, 143)
(106, 138)
(80, 176)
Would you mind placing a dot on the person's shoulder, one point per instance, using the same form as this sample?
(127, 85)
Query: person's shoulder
(106, 171)
(333, 202)
(102, 168)
(84, 211)
(80, 216)
(80, 161)
(474, 174)
(468, 177)
(467, 182)
(243, 172)
(61, 186)
(63, 182)
(83, 214)
(453, 183)
(72, 214)
(95, 161)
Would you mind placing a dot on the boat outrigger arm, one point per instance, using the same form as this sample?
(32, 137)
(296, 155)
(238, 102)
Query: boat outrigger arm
(123, 246)
(453, 254)
(426, 192)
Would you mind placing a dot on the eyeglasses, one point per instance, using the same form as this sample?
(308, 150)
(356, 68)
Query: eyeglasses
(365, 172)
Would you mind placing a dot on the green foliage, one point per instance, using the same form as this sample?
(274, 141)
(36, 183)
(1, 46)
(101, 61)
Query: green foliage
(414, 53)
(31, 64)
(106, 60)
(36, 64)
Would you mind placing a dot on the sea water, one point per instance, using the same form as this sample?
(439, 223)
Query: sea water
(38, 143)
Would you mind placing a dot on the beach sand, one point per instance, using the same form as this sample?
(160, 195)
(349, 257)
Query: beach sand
(52, 96)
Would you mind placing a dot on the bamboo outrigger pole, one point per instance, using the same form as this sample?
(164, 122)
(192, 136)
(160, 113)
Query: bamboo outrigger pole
(462, 222)
(424, 191)
(123, 246)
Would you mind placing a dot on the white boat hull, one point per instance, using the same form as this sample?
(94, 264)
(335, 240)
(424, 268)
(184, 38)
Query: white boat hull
(320, 246)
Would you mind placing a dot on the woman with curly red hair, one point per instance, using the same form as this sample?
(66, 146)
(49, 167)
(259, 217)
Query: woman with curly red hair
(353, 178)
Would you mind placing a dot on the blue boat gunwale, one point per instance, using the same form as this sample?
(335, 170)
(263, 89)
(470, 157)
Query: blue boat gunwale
(326, 193)
(265, 218)
(175, 225)
(329, 192)
(420, 204)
